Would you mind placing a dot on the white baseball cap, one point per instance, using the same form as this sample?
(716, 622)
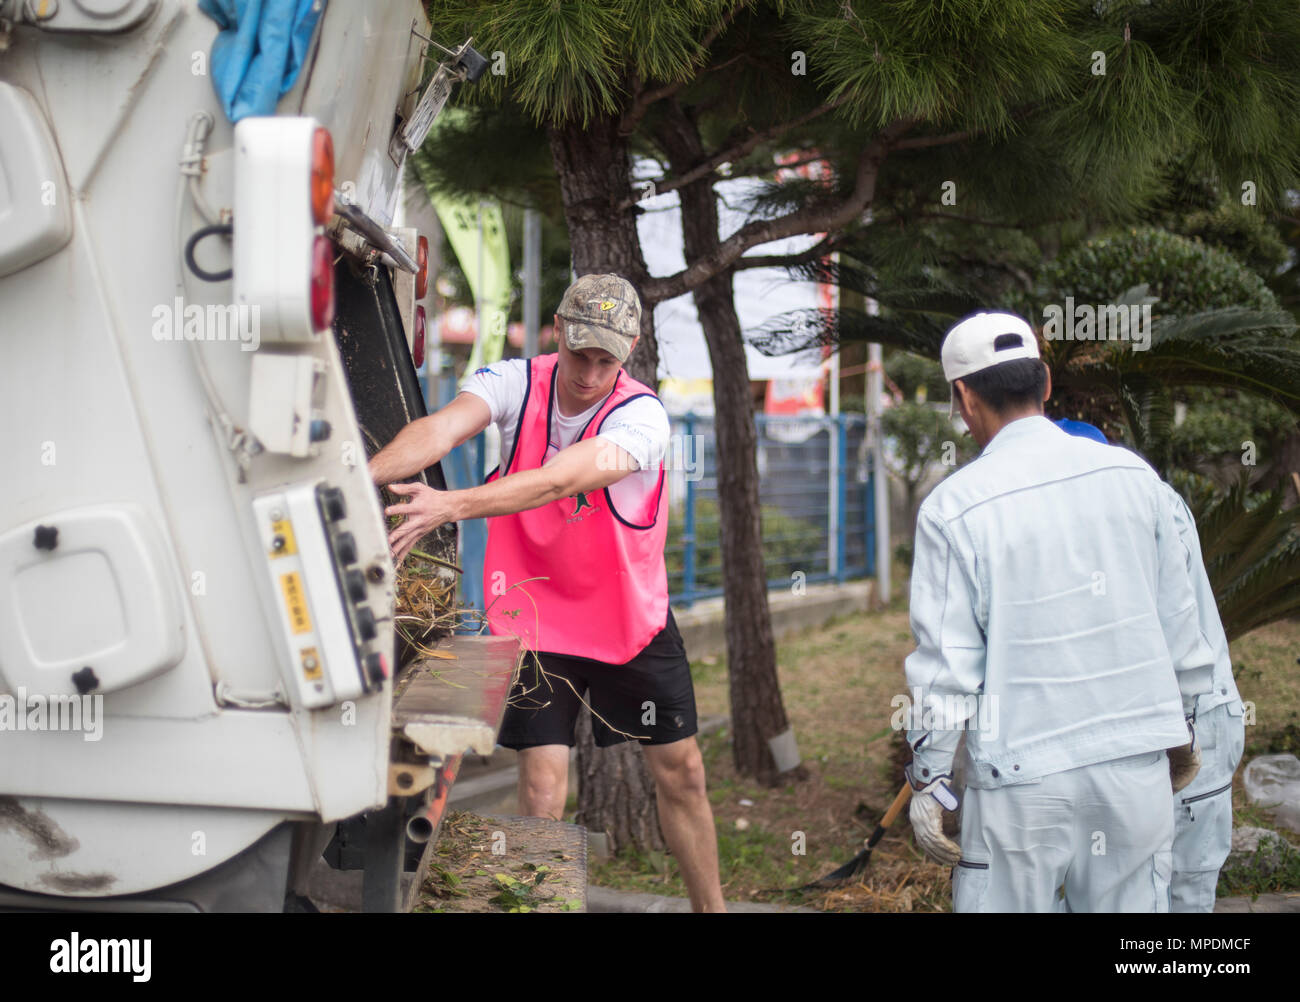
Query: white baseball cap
(983, 340)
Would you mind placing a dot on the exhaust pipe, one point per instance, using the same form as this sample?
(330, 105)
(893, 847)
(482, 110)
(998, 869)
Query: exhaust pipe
(419, 829)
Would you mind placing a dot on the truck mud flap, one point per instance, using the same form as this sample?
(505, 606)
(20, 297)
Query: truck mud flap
(382, 380)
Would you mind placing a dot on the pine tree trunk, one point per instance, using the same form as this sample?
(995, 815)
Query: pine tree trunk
(615, 789)
(757, 710)
(595, 178)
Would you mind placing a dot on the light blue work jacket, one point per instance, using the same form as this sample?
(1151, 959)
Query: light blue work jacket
(1053, 611)
(1223, 689)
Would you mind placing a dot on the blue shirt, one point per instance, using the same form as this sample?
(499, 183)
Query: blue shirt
(1054, 614)
(1081, 428)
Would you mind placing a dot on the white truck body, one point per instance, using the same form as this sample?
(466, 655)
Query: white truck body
(162, 578)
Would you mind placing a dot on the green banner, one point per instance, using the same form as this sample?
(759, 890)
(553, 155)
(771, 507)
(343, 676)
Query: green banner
(477, 234)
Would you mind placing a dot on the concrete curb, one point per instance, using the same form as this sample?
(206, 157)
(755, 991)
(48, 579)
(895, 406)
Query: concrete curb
(606, 901)
(1289, 902)
(703, 628)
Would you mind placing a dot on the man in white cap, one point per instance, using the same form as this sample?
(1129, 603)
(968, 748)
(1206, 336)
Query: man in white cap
(577, 520)
(1056, 624)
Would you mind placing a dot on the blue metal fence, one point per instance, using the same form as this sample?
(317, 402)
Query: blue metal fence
(464, 467)
(815, 495)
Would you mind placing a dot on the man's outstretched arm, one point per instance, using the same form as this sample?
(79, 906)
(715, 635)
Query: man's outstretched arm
(584, 466)
(427, 440)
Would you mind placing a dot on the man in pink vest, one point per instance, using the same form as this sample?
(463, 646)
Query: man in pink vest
(577, 519)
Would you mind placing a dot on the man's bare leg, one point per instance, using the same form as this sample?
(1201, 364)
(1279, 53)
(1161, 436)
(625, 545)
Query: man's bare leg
(687, 819)
(543, 781)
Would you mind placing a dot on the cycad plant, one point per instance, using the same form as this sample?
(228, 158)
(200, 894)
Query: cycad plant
(1130, 394)
(1251, 548)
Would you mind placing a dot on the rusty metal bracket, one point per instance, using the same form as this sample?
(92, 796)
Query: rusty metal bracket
(406, 779)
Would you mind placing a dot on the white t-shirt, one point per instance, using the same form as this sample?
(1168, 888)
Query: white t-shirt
(640, 428)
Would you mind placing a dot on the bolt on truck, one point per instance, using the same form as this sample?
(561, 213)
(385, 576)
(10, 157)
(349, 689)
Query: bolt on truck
(208, 321)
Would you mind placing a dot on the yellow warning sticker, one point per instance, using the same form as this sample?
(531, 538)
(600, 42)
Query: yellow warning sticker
(295, 601)
(282, 542)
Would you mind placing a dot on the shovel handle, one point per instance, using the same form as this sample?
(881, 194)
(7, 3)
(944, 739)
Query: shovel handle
(904, 795)
(900, 801)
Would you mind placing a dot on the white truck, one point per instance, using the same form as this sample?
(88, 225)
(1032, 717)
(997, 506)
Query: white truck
(205, 328)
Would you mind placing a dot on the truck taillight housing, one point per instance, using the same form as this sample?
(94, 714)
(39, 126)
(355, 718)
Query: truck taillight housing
(322, 285)
(322, 176)
(422, 272)
(284, 194)
(417, 342)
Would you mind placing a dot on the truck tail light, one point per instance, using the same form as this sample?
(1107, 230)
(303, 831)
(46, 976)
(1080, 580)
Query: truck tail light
(417, 342)
(284, 195)
(322, 177)
(422, 274)
(322, 285)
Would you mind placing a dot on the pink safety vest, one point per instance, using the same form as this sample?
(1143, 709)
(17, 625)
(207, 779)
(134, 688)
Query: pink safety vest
(605, 593)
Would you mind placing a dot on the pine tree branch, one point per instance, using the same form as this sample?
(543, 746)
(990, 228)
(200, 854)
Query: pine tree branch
(632, 117)
(820, 218)
(819, 250)
(924, 142)
(721, 26)
(1017, 113)
(739, 151)
(772, 168)
(953, 217)
(645, 98)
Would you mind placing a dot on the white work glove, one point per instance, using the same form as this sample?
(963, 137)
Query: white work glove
(926, 814)
(1185, 762)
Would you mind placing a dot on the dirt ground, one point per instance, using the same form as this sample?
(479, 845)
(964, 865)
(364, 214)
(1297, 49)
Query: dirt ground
(504, 865)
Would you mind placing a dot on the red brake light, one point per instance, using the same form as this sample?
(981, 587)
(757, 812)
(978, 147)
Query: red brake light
(422, 270)
(322, 177)
(322, 285)
(417, 342)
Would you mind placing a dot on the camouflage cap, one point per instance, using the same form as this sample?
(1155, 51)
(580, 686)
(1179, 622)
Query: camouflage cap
(601, 311)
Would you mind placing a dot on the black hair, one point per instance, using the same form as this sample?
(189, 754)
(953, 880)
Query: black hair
(1009, 386)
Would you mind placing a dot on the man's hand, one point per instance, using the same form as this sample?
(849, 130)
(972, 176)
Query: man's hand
(926, 815)
(425, 510)
(1185, 762)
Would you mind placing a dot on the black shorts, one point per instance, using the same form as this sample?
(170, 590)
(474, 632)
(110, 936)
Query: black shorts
(649, 699)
